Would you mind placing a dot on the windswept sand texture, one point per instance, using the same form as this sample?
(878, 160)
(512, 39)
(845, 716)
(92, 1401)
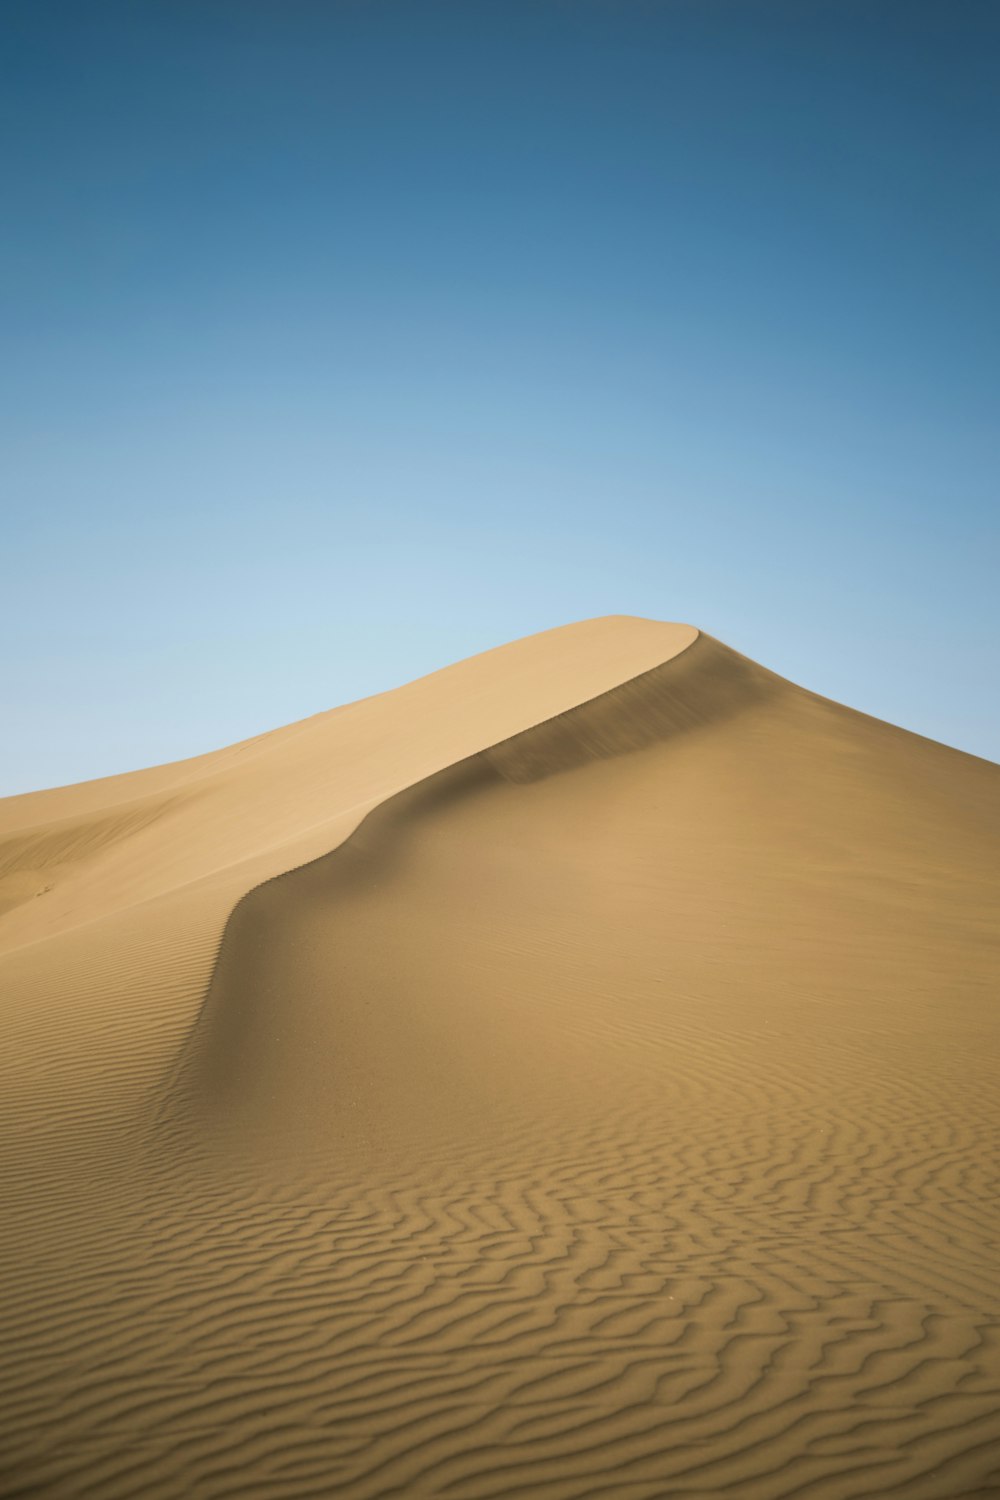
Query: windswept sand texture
(573, 1074)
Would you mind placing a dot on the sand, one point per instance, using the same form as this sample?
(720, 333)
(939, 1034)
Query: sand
(572, 1074)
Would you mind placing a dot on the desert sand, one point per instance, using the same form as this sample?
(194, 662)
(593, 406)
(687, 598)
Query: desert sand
(572, 1074)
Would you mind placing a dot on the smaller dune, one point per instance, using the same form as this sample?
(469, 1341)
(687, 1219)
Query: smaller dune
(35, 860)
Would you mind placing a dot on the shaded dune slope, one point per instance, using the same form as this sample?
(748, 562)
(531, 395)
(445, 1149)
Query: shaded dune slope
(246, 1018)
(608, 1109)
(771, 831)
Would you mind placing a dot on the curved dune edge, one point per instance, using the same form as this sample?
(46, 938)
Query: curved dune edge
(702, 684)
(115, 953)
(201, 819)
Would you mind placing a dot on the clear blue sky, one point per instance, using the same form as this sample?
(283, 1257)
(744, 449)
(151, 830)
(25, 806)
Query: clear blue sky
(344, 338)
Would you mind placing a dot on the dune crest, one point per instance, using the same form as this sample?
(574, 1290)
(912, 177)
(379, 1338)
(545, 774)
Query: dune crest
(706, 684)
(568, 1075)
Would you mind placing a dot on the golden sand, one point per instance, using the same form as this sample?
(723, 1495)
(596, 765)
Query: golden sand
(572, 1074)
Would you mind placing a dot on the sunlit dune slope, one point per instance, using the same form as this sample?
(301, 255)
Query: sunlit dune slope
(104, 844)
(572, 1074)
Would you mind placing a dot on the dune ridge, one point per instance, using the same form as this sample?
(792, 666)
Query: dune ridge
(706, 683)
(592, 1093)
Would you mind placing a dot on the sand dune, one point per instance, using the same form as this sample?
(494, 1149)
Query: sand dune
(571, 1074)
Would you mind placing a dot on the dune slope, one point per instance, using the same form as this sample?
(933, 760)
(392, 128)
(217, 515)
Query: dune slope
(570, 1075)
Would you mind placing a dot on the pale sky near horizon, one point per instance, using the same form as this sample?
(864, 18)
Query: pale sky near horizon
(344, 340)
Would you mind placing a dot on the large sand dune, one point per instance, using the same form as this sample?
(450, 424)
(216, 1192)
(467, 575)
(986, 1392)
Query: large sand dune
(572, 1074)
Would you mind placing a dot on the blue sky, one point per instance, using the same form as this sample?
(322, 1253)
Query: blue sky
(346, 339)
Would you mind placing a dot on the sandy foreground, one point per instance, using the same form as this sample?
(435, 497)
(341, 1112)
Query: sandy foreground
(572, 1074)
